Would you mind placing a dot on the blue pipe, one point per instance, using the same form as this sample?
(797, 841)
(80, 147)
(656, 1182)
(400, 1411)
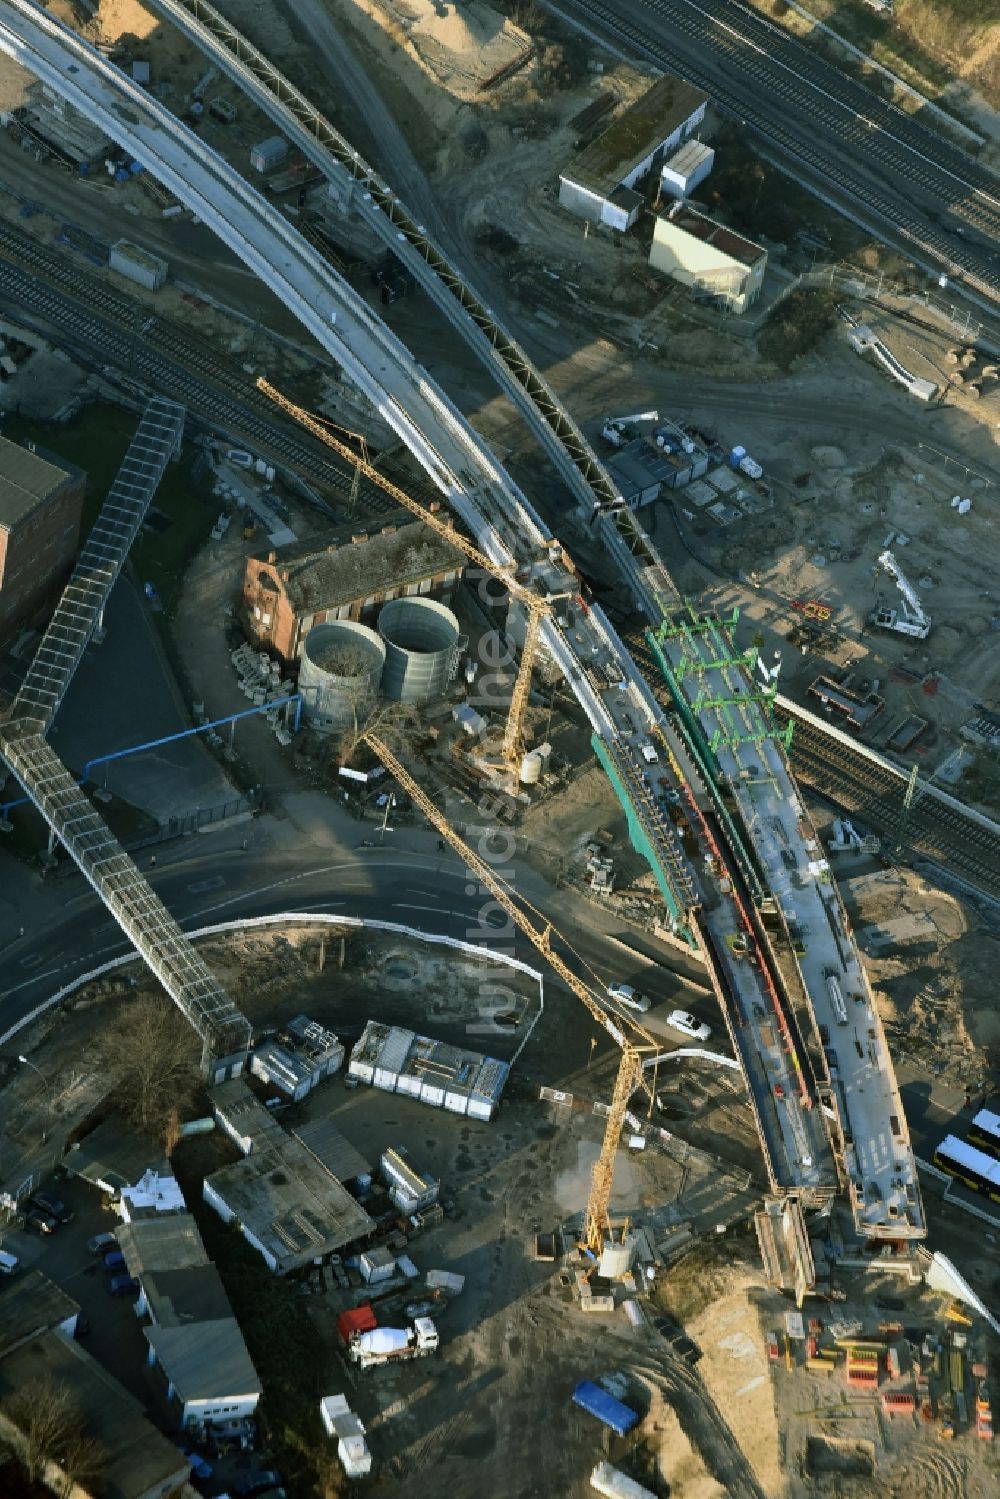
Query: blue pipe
(136, 749)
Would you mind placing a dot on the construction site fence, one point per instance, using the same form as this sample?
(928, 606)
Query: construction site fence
(290, 918)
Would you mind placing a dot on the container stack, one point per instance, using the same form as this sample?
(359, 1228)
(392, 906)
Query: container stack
(862, 1366)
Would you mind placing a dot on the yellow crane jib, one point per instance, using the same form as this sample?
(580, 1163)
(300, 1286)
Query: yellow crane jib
(633, 1047)
(536, 607)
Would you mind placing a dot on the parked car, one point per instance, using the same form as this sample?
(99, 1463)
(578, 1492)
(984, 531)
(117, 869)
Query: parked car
(247, 1484)
(48, 1203)
(123, 1285)
(688, 1025)
(507, 1019)
(39, 1222)
(114, 1261)
(629, 997)
(101, 1243)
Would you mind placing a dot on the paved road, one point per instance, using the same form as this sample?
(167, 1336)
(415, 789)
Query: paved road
(211, 878)
(893, 171)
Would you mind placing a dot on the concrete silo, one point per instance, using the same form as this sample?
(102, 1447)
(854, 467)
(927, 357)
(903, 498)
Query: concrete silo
(422, 642)
(339, 674)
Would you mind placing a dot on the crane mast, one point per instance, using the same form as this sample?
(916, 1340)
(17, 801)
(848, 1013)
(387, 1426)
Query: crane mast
(536, 607)
(633, 1047)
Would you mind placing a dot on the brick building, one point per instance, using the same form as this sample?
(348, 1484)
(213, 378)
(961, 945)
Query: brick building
(40, 507)
(347, 574)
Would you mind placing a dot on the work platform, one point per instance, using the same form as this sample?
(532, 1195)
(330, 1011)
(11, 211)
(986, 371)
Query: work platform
(839, 1044)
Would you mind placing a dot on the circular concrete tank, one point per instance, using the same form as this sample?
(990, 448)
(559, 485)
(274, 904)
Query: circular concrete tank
(420, 638)
(339, 674)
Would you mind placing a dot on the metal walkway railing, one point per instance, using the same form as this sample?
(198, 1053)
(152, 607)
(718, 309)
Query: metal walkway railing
(139, 912)
(80, 610)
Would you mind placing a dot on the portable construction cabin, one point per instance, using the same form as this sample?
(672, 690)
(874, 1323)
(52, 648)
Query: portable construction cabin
(267, 155)
(375, 1265)
(614, 1485)
(686, 168)
(409, 1188)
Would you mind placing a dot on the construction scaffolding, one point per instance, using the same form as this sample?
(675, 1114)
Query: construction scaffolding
(741, 698)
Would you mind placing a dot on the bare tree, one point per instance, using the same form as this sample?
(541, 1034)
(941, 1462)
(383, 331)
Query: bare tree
(366, 711)
(52, 1430)
(392, 722)
(152, 1057)
(82, 1459)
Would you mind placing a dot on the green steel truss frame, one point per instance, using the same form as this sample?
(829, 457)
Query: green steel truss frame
(674, 882)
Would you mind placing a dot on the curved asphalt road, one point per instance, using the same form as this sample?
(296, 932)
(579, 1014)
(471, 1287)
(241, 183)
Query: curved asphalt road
(215, 881)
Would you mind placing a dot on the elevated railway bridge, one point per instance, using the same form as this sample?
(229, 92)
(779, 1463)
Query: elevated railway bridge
(706, 786)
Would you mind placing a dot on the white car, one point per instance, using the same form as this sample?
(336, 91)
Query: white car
(629, 997)
(680, 1020)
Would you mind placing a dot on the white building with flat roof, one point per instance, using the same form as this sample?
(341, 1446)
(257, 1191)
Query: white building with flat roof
(697, 251)
(599, 183)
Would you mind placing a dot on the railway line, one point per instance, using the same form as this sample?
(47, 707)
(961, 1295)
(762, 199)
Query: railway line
(840, 132)
(163, 355)
(931, 829)
(798, 1148)
(936, 830)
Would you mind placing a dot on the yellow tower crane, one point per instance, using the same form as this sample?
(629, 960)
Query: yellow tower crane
(536, 607)
(633, 1046)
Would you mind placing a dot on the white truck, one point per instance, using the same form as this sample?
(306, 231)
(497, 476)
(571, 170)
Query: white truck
(393, 1345)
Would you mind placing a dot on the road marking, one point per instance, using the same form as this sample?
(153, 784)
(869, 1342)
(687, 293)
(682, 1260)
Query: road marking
(217, 882)
(316, 905)
(32, 960)
(402, 905)
(429, 893)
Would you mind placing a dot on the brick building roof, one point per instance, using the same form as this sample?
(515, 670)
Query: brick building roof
(337, 570)
(25, 481)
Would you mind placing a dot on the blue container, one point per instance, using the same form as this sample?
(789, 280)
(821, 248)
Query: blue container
(609, 1411)
(135, 167)
(121, 175)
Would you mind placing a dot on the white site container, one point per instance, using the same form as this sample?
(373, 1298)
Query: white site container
(267, 155)
(138, 265)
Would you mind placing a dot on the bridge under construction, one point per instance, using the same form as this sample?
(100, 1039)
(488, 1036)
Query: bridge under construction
(715, 810)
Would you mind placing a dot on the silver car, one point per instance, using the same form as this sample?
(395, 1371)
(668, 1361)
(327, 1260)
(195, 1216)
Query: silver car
(629, 997)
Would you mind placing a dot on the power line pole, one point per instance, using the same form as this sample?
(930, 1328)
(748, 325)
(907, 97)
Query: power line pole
(908, 795)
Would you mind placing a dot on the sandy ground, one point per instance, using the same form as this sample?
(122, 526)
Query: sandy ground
(834, 510)
(932, 967)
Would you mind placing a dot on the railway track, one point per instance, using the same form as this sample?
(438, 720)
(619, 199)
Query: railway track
(164, 355)
(881, 160)
(934, 830)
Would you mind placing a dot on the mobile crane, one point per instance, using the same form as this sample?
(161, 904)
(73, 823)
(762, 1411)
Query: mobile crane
(536, 607)
(911, 619)
(634, 1045)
